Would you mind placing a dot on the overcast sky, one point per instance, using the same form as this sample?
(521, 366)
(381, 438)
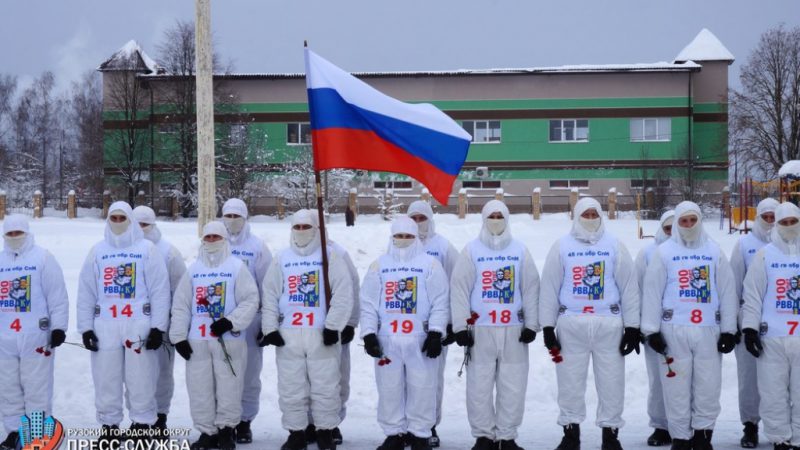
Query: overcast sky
(73, 36)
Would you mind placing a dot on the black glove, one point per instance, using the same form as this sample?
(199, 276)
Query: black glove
(90, 340)
(57, 337)
(329, 337)
(550, 339)
(657, 343)
(726, 342)
(372, 346)
(221, 326)
(154, 339)
(630, 341)
(184, 349)
(433, 344)
(527, 336)
(464, 339)
(273, 338)
(752, 342)
(450, 336)
(348, 334)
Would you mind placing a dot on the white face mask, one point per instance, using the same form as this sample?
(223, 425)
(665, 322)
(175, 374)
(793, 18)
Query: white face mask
(402, 243)
(303, 237)
(496, 226)
(214, 247)
(789, 233)
(590, 225)
(423, 228)
(147, 228)
(119, 227)
(234, 226)
(690, 234)
(16, 242)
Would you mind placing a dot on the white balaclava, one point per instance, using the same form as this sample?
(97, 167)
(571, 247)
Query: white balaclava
(787, 238)
(761, 229)
(147, 218)
(22, 243)
(668, 218)
(693, 237)
(305, 242)
(495, 233)
(124, 234)
(238, 228)
(404, 249)
(212, 254)
(587, 230)
(427, 228)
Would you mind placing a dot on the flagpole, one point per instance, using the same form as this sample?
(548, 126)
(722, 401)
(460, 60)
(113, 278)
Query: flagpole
(321, 215)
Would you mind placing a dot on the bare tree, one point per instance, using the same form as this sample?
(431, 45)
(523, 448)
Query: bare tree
(86, 119)
(297, 186)
(765, 114)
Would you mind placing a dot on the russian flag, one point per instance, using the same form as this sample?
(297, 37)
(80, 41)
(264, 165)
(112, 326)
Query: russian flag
(354, 126)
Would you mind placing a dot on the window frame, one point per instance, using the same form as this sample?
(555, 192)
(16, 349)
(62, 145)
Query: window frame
(488, 134)
(481, 184)
(391, 185)
(299, 131)
(575, 129)
(569, 185)
(644, 128)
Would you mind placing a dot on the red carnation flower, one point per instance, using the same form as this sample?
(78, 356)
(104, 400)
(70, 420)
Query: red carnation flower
(47, 353)
(137, 350)
(39, 350)
(670, 360)
(128, 343)
(671, 374)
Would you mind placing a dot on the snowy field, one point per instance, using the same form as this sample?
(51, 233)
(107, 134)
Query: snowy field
(69, 241)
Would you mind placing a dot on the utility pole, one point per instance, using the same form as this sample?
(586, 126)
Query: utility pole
(206, 177)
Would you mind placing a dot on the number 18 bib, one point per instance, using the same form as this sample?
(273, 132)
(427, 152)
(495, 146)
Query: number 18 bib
(496, 296)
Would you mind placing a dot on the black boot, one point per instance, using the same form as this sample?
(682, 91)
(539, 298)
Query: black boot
(325, 440)
(681, 444)
(509, 444)
(659, 437)
(226, 438)
(393, 442)
(11, 441)
(782, 446)
(161, 427)
(702, 440)
(572, 438)
(484, 443)
(337, 436)
(311, 434)
(750, 436)
(418, 443)
(243, 433)
(296, 440)
(433, 441)
(205, 442)
(109, 435)
(139, 432)
(610, 439)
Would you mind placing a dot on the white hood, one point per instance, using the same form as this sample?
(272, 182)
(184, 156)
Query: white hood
(214, 259)
(683, 209)
(305, 217)
(18, 222)
(578, 230)
(783, 211)
(501, 241)
(666, 218)
(131, 236)
(762, 230)
(238, 207)
(146, 215)
(403, 224)
(422, 207)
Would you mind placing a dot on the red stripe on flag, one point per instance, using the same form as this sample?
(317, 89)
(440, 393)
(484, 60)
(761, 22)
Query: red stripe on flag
(346, 148)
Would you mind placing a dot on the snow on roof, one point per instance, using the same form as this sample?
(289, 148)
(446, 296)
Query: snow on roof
(705, 47)
(790, 168)
(130, 57)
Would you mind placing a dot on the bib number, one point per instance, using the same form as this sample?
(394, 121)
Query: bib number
(696, 316)
(505, 316)
(302, 320)
(405, 326)
(792, 326)
(126, 311)
(16, 325)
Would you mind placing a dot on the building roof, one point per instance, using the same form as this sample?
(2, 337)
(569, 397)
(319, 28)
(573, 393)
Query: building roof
(130, 57)
(705, 47)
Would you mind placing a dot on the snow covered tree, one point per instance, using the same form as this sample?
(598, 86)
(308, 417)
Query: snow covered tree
(297, 187)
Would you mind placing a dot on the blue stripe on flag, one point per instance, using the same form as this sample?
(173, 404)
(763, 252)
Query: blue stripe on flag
(329, 110)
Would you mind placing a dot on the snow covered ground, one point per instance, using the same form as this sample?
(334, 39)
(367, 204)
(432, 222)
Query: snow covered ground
(69, 241)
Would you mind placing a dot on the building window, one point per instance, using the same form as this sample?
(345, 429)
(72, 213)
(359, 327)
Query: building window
(298, 133)
(481, 184)
(651, 129)
(569, 130)
(483, 131)
(392, 185)
(639, 184)
(237, 135)
(569, 184)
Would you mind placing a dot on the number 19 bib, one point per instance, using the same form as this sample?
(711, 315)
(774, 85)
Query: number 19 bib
(214, 296)
(404, 305)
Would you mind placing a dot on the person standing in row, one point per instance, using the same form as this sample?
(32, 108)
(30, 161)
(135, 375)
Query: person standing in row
(214, 303)
(123, 313)
(403, 318)
(689, 313)
(165, 383)
(304, 324)
(771, 314)
(654, 361)
(495, 287)
(590, 295)
(743, 252)
(33, 321)
(440, 248)
(256, 256)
